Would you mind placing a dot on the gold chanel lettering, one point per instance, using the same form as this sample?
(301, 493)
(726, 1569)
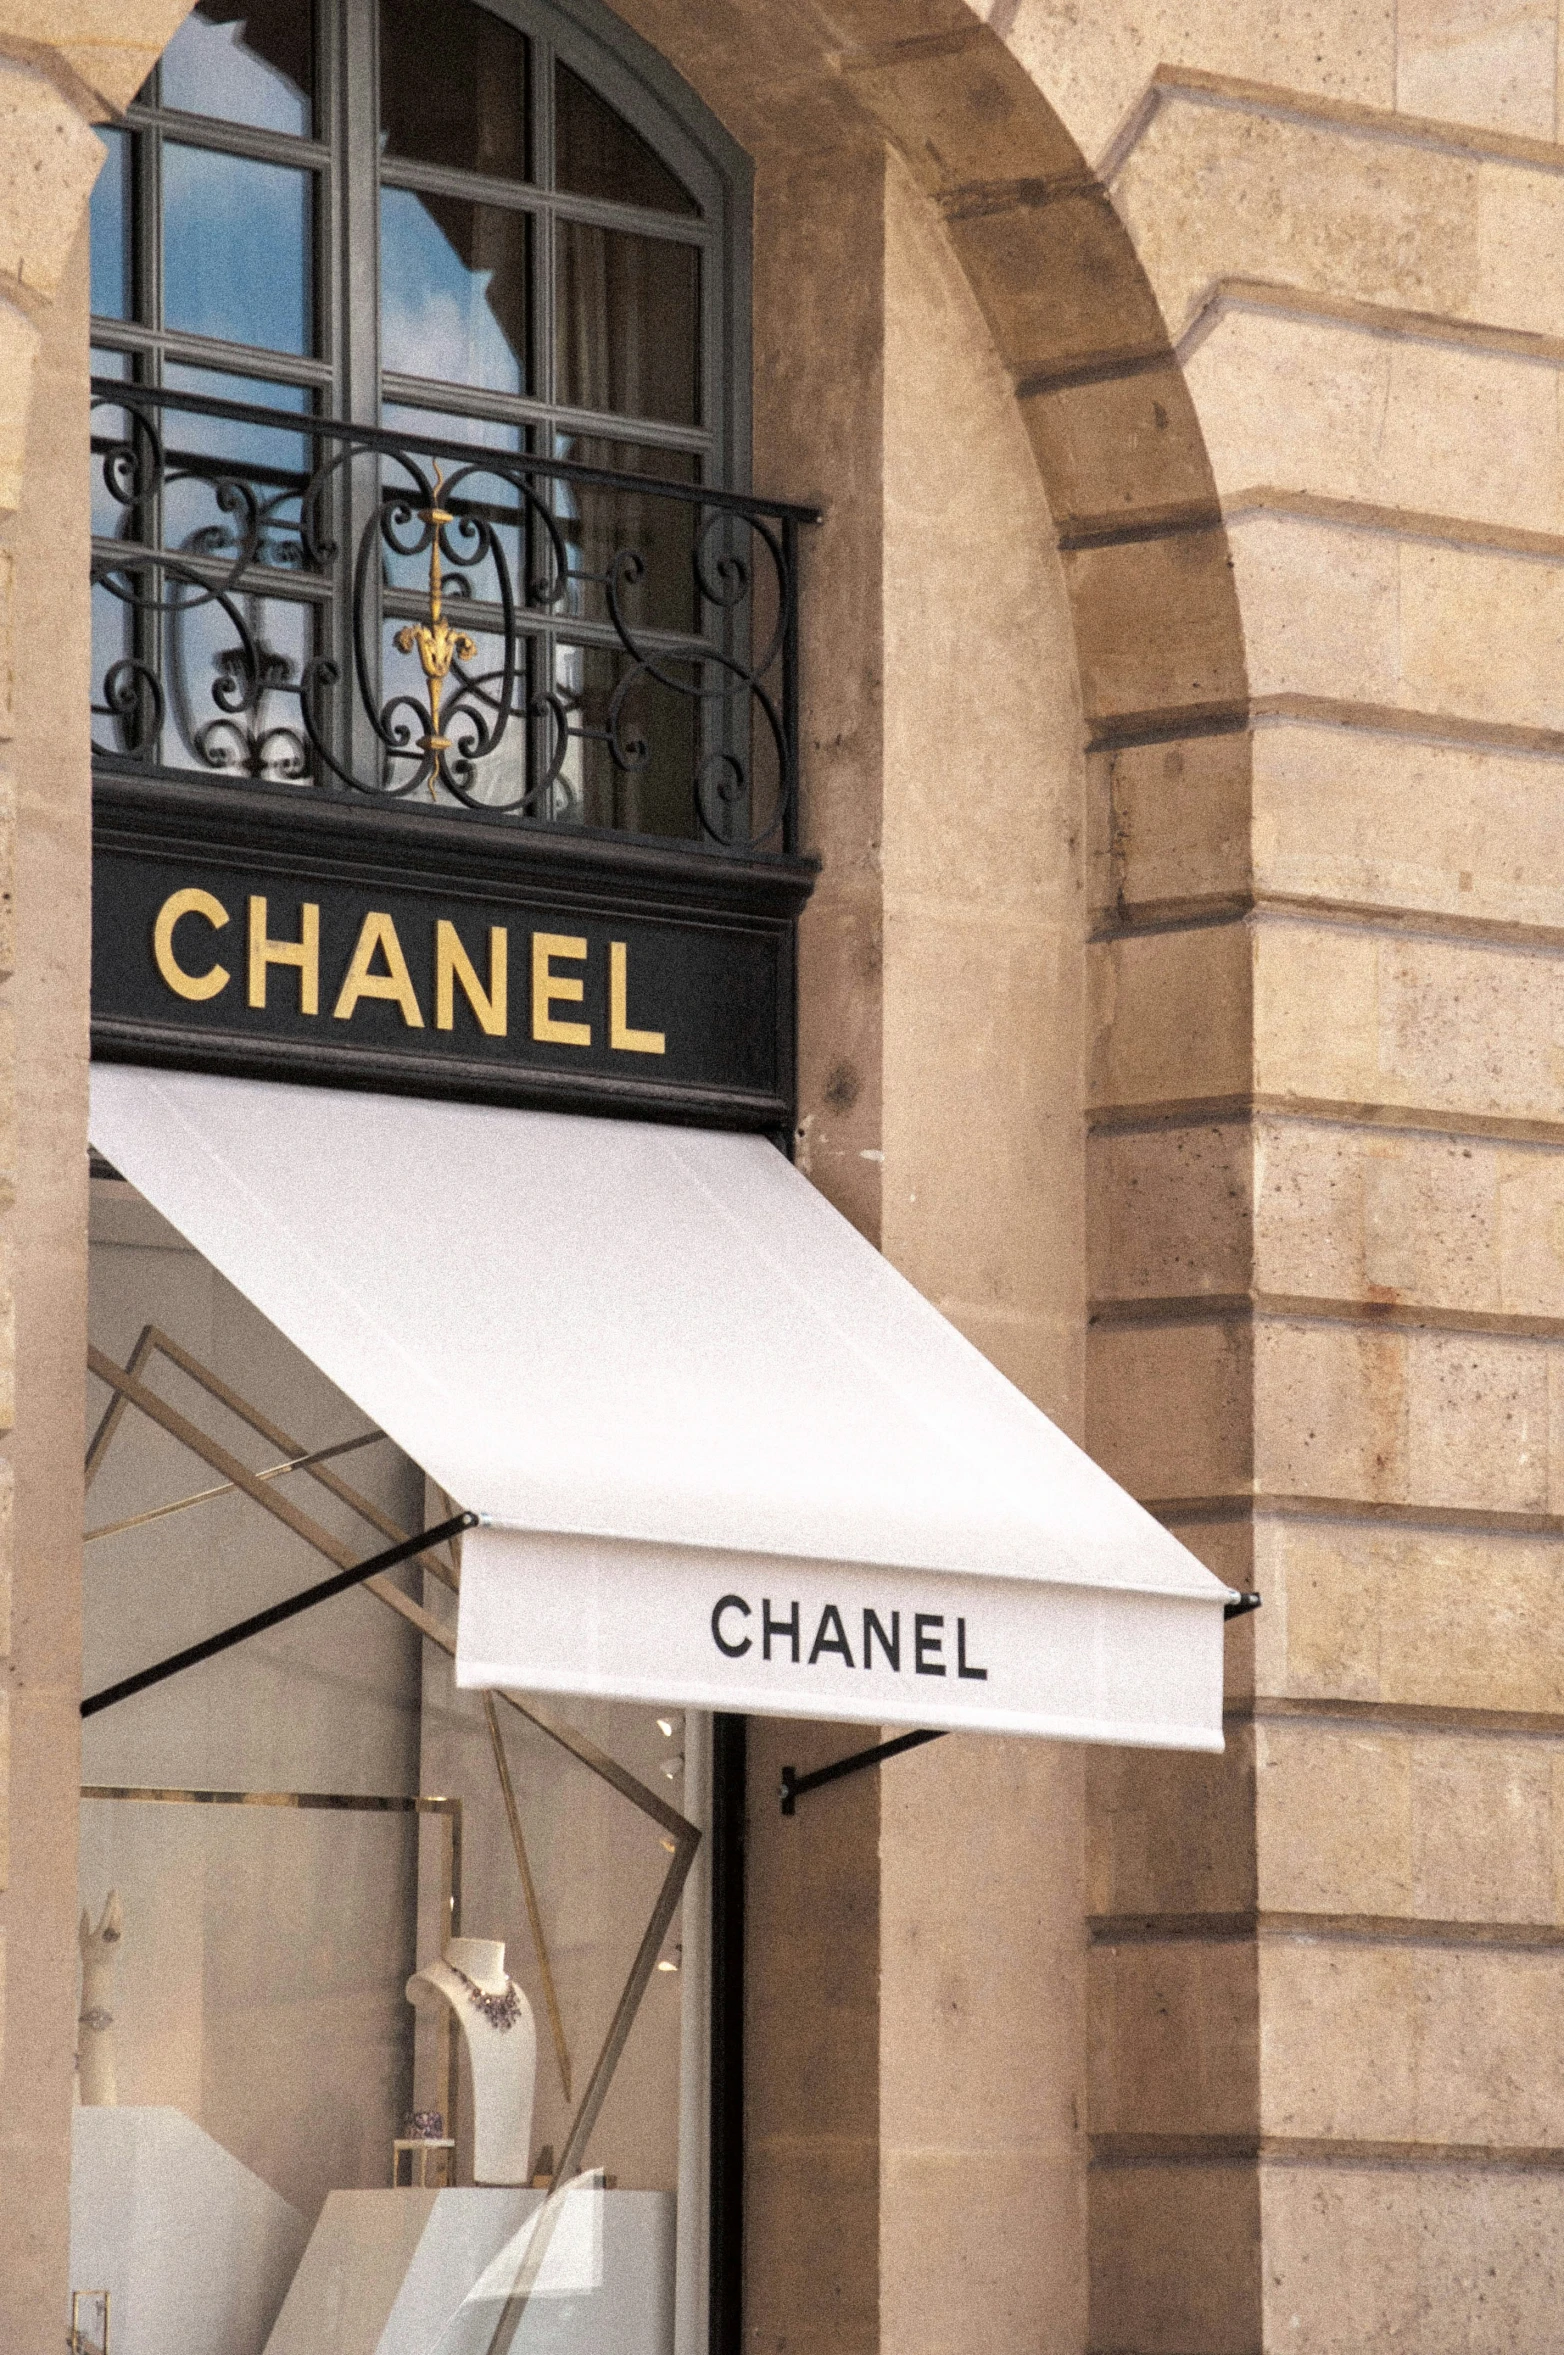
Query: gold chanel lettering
(303, 952)
(378, 932)
(452, 964)
(620, 1035)
(549, 988)
(183, 984)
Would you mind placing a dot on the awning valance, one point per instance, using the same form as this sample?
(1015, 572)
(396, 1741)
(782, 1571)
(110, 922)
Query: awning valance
(722, 1453)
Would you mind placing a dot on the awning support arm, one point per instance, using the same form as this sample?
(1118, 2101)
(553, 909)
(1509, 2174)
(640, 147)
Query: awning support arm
(259, 1621)
(794, 1784)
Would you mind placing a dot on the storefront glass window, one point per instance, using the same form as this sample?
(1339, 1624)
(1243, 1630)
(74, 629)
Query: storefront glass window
(353, 1943)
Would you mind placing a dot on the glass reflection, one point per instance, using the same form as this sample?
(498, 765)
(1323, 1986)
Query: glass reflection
(601, 523)
(243, 61)
(626, 323)
(605, 703)
(236, 249)
(271, 464)
(597, 153)
(228, 669)
(111, 229)
(249, 446)
(453, 291)
(453, 90)
(108, 426)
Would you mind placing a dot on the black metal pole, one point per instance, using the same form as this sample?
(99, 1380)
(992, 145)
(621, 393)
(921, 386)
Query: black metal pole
(729, 1805)
(344, 1580)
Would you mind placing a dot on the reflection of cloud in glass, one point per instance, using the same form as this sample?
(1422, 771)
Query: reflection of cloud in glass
(212, 69)
(438, 310)
(235, 248)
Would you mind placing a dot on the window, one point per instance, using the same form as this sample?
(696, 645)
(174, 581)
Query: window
(494, 229)
(356, 1946)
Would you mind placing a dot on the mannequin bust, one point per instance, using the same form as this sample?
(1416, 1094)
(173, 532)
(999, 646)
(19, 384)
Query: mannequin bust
(502, 2051)
(95, 2027)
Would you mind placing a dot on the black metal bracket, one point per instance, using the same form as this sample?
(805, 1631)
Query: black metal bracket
(1239, 1605)
(260, 1621)
(794, 1784)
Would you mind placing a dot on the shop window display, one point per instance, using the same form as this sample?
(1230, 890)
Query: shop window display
(357, 1948)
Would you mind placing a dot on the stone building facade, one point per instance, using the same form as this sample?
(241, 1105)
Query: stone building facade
(1181, 1010)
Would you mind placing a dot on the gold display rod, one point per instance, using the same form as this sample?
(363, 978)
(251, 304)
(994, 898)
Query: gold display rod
(534, 1917)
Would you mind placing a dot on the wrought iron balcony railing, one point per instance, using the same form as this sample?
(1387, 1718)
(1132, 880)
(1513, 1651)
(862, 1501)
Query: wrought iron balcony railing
(285, 599)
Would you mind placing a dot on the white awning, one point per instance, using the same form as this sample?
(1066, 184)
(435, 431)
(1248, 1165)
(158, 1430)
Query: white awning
(722, 1454)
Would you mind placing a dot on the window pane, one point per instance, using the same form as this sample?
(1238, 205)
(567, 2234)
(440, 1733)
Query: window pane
(111, 230)
(486, 433)
(453, 87)
(453, 291)
(244, 61)
(279, 1849)
(627, 313)
(596, 153)
(630, 758)
(236, 249)
(241, 445)
(231, 671)
(601, 525)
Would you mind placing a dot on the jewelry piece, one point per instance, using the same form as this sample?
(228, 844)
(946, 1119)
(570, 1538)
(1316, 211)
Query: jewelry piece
(501, 2011)
(97, 2017)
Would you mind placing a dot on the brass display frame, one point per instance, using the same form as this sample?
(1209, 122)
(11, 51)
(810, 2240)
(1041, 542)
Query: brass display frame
(346, 1803)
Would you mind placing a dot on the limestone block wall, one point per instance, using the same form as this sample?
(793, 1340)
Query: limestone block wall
(1327, 1116)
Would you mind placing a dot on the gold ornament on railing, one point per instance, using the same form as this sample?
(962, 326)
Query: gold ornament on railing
(436, 644)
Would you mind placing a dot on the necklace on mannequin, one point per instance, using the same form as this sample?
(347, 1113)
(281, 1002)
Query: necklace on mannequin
(502, 2011)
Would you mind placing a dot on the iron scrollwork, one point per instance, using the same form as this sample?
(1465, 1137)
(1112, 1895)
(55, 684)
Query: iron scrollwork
(295, 601)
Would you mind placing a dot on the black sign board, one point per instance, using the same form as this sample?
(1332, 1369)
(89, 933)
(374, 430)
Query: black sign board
(289, 936)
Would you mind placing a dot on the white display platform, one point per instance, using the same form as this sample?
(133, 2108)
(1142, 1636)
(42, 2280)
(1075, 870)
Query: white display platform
(195, 2250)
(387, 2272)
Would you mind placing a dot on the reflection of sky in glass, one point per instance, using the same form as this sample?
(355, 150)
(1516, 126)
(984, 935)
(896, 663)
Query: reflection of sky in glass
(208, 70)
(242, 445)
(110, 230)
(484, 433)
(110, 644)
(435, 319)
(109, 515)
(235, 249)
(206, 646)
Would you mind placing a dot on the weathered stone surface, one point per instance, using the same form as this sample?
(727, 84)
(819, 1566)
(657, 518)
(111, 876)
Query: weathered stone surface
(1438, 1025)
(1171, 1835)
(1399, 422)
(1429, 1824)
(52, 160)
(1427, 1618)
(1170, 1016)
(1175, 2044)
(1197, 1442)
(1450, 2260)
(1175, 2258)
